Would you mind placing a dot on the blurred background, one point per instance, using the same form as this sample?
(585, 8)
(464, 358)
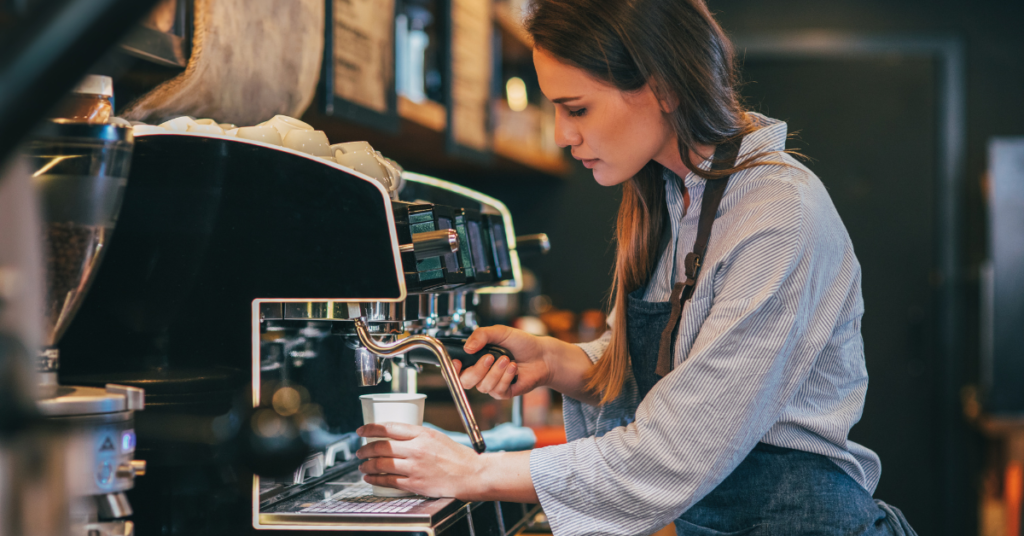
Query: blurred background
(910, 111)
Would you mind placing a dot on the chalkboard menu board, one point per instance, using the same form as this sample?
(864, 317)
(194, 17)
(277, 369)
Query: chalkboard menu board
(359, 58)
(471, 58)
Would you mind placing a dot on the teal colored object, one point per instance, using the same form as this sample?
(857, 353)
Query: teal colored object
(504, 437)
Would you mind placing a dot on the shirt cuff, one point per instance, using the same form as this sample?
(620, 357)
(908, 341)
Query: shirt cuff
(551, 469)
(595, 349)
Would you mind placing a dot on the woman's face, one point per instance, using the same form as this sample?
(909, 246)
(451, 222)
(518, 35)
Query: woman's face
(611, 132)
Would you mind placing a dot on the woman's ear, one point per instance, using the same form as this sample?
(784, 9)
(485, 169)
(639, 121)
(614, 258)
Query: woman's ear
(667, 100)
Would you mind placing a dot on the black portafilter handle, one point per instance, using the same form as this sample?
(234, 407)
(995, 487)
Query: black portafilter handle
(454, 346)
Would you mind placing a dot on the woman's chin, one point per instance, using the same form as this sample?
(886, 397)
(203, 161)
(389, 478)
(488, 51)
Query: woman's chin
(607, 177)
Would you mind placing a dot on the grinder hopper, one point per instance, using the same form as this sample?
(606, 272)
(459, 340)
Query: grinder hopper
(80, 172)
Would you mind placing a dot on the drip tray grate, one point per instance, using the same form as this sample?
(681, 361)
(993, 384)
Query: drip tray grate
(358, 498)
(347, 501)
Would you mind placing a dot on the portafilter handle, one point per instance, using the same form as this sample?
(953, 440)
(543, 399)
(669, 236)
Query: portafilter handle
(451, 377)
(454, 346)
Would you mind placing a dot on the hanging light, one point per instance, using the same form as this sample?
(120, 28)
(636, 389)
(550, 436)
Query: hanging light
(515, 89)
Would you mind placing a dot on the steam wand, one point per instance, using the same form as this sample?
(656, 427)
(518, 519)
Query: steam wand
(451, 377)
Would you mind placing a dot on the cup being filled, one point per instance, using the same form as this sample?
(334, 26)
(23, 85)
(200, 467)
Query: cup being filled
(405, 408)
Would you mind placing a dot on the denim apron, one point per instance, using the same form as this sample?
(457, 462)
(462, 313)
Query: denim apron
(774, 490)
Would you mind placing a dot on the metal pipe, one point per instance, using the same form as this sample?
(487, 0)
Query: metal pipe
(451, 377)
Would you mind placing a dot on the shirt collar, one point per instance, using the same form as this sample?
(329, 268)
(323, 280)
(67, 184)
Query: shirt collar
(770, 136)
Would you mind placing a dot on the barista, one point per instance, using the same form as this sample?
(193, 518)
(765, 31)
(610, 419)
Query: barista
(723, 394)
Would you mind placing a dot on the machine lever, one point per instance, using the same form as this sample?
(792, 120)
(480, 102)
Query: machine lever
(533, 244)
(454, 346)
(432, 244)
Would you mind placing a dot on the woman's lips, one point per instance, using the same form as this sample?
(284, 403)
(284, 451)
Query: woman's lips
(589, 163)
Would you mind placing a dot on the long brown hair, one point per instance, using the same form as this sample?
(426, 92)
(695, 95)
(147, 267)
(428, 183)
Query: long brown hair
(678, 48)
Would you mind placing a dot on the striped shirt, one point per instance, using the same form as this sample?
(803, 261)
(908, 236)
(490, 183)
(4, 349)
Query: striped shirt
(768, 349)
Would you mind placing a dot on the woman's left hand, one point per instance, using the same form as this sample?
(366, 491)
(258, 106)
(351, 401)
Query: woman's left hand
(421, 460)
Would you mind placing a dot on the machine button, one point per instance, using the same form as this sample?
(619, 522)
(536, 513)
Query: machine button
(104, 473)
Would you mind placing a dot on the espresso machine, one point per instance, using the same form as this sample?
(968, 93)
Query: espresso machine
(255, 292)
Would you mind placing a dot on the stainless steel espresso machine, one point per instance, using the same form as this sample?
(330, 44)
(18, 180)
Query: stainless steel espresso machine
(255, 292)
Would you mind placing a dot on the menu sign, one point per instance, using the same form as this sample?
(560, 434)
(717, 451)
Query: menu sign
(363, 52)
(471, 73)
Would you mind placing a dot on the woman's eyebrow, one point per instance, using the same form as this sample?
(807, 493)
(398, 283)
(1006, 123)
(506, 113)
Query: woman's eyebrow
(563, 100)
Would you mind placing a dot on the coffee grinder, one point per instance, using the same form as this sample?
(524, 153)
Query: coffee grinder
(79, 172)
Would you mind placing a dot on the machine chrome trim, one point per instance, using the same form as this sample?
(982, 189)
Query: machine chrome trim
(506, 216)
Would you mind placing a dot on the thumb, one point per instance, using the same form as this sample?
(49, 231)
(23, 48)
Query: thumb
(476, 341)
(482, 336)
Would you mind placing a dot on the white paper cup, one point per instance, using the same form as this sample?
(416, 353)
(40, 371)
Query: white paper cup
(313, 142)
(206, 128)
(148, 129)
(364, 162)
(351, 146)
(179, 124)
(285, 124)
(264, 134)
(379, 408)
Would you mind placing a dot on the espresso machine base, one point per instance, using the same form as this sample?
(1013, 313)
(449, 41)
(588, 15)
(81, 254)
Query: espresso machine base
(346, 503)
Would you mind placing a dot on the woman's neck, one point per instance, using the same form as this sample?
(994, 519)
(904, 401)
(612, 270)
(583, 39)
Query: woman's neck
(670, 157)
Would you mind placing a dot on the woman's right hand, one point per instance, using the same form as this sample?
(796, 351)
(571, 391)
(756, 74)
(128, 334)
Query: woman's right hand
(495, 377)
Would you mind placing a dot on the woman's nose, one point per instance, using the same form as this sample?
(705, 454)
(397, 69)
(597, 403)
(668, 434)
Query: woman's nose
(566, 133)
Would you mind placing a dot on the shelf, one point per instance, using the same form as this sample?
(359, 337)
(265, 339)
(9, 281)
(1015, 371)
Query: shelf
(428, 113)
(550, 163)
(164, 49)
(423, 149)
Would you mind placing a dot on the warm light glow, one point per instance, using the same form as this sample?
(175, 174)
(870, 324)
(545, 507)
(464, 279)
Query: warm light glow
(286, 401)
(515, 88)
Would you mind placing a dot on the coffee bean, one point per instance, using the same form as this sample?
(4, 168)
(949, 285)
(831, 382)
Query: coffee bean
(70, 249)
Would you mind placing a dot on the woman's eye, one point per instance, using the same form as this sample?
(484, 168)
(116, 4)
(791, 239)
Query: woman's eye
(577, 113)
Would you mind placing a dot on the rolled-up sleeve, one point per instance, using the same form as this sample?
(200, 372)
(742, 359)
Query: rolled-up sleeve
(584, 420)
(765, 327)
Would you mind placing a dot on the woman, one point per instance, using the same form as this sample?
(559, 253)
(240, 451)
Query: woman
(729, 414)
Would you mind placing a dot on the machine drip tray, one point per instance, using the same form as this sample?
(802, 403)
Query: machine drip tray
(358, 498)
(348, 500)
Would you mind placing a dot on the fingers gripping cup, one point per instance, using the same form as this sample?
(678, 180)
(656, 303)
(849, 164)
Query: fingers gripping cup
(406, 408)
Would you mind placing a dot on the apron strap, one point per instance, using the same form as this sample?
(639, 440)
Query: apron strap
(725, 158)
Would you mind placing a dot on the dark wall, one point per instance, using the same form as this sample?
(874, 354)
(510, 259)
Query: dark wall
(994, 46)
